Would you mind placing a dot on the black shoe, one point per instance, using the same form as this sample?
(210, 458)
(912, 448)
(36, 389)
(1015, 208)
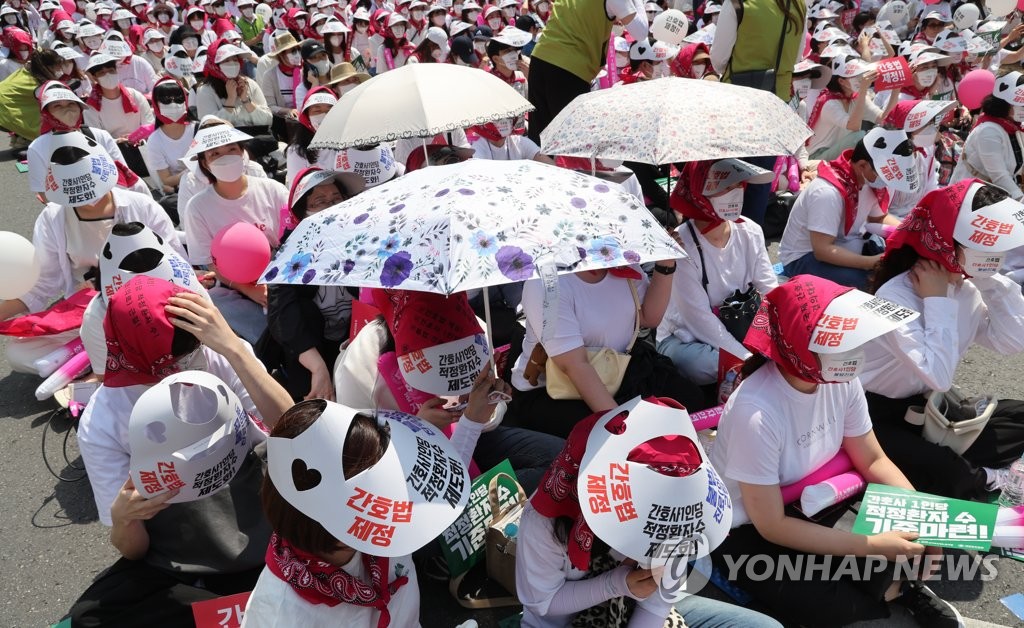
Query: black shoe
(927, 608)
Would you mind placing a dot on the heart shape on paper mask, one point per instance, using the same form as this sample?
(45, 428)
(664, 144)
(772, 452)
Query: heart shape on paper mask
(303, 477)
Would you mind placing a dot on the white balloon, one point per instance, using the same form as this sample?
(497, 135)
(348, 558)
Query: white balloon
(966, 16)
(895, 12)
(1000, 8)
(264, 11)
(670, 26)
(18, 264)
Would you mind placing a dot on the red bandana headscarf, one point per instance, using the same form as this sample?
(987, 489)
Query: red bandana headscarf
(682, 64)
(783, 325)
(47, 121)
(319, 582)
(156, 106)
(13, 35)
(95, 99)
(898, 116)
(688, 198)
(839, 172)
(303, 116)
(210, 68)
(557, 495)
(139, 333)
(928, 228)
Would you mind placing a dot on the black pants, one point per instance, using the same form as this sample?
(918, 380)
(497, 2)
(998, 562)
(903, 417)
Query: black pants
(551, 89)
(657, 195)
(134, 593)
(804, 601)
(649, 374)
(935, 469)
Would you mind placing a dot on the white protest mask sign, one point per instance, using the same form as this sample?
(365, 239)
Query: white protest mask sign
(892, 153)
(214, 137)
(188, 432)
(80, 171)
(376, 165)
(394, 507)
(682, 508)
(447, 369)
(995, 228)
(142, 253)
(854, 318)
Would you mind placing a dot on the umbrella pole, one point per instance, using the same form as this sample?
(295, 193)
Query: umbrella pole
(426, 155)
(487, 318)
(593, 166)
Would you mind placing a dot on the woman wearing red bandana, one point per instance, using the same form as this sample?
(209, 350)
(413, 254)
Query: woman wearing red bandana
(568, 576)
(729, 256)
(825, 232)
(992, 151)
(162, 569)
(933, 265)
(395, 48)
(230, 95)
(498, 140)
(798, 406)
(122, 111)
(312, 578)
(920, 119)
(173, 135)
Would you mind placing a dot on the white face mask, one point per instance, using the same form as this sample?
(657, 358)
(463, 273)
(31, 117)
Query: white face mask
(228, 168)
(801, 87)
(504, 127)
(11, 19)
(660, 70)
(301, 24)
(156, 46)
(508, 12)
(323, 67)
(92, 43)
(728, 206)
(437, 19)
(247, 13)
(494, 23)
(231, 68)
(480, 47)
(510, 59)
(24, 54)
(878, 183)
(457, 8)
(698, 69)
(417, 15)
(927, 77)
(437, 55)
(317, 120)
(982, 263)
(841, 367)
(109, 81)
(344, 89)
(398, 32)
(617, 30)
(163, 18)
(123, 24)
(67, 68)
(621, 59)
(925, 138)
(855, 83)
(190, 44)
(293, 58)
(172, 111)
(197, 25)
(195, 361)
(362, 28)
(1018, 114)
(542, 7)
(335, 40)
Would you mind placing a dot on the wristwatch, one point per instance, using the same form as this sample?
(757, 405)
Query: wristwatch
(664, 270)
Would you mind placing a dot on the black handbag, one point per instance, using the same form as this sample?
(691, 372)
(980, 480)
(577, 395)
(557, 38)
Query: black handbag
(738, 309)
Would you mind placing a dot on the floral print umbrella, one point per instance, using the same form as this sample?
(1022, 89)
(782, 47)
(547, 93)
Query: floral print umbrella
(669, 120)
(470, 225)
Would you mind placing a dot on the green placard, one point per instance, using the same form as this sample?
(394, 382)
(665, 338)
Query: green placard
(940, 521)
(463, 542)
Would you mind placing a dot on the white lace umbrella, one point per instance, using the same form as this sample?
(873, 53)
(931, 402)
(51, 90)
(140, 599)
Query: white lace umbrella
(418, 100)
(669, 120)
(471, 225)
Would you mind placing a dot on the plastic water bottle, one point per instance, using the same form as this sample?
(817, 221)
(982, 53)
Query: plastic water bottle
(1012, 493)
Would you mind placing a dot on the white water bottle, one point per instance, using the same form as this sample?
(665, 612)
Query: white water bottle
(1012, 493)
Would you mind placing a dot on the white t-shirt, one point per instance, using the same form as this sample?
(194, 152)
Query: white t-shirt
(41, 148)
(515, 147)
(900, 203)
(137, 74)
(190, 185)
(113, 117)
(743, 260)
(275, 603)
(771, 433)
(208, 213)
(103, 431)
(166, 153)
(924, 354)
(591, 315)
(325, 158)
(820, 208)
(831, 124)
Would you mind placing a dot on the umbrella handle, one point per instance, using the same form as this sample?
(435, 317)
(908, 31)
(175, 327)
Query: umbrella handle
(487, 319)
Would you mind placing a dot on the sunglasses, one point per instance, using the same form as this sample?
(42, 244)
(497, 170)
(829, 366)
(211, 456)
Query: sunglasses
(171, 99)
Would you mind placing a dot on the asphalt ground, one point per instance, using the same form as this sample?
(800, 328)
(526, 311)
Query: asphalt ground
(53, 545)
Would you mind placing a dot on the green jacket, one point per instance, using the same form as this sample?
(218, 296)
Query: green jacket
(757, 41)
(575, 37)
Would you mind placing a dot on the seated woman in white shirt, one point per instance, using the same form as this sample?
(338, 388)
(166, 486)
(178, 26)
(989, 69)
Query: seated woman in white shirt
(567, 575)
(800, 404)
(299, 155)
(231, 96)
(167, 146)
(920, 119)
(941, 265)
(841, 107)
(121, 110)
(727, 255)
(497, 140)
(70, 233)
(395, 48)
(993, 150)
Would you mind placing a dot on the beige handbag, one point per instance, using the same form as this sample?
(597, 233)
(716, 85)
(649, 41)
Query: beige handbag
(500, 546)
(952, 419)
(609, 364)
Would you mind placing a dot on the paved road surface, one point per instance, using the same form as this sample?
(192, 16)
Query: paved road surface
(53, 545)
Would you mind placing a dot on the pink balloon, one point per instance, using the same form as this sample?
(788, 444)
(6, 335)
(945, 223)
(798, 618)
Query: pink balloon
(932, 1)
(241, 252)
(1020, 4)
(975, 85)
